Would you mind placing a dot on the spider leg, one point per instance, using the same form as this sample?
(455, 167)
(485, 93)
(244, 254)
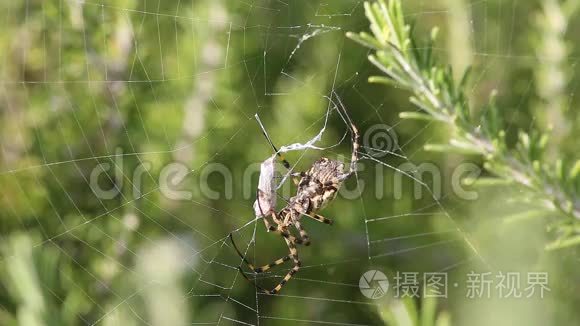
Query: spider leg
(262, 268)
(293, 255)
(281, 230)
(253, 283)
(355, 147)
(294, 270)
(355, 137)
(309, 212)
(318, 218)
(239, 252)
(247, 263)
(277, 262)
(295, 175)
(271, 228)
(303, 234)
(280, 156)
(287, 236)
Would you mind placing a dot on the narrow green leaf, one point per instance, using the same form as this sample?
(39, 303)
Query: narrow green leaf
(364, 39)
(563, 243)
(400, 21)
(465, 78)
(385, 81)
(387, 15)
(423, 105)
(445, 148)
(444, 319)
(575, 177)
(416, 116)
(526, 215)
(428, 310)
(371, 16)
(487, 182)
(390, 72)
(560, 167)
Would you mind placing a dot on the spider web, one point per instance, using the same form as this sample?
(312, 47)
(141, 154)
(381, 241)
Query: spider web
(141, 240)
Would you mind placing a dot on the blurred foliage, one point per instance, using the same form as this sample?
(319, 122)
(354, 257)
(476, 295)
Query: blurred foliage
(405, 312)
(128, 87)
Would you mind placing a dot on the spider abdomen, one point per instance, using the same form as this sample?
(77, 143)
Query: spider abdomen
(315, 195)
(326, 171)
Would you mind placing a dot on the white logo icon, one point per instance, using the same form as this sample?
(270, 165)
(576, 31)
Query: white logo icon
(373, 284)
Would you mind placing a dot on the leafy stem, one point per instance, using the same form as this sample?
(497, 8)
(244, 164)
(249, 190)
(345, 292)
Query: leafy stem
(440, 98)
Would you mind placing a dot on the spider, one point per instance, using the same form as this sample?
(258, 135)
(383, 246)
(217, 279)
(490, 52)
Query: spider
(316, 188)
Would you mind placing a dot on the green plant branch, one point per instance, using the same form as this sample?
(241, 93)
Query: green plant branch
(436, 93)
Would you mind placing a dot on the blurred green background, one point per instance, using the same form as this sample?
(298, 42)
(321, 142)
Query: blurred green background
(133, 86)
